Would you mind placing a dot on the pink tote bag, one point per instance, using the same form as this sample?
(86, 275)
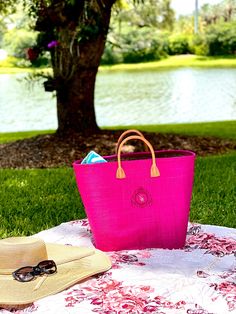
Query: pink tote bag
(138, 200)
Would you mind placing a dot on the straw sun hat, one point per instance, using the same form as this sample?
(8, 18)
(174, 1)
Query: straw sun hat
(73, 265)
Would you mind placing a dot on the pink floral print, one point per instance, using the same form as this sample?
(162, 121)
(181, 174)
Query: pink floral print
(227, 288)
(120, 258)
(197, 310)
(112, 296)
(137, 285)
(214, 245)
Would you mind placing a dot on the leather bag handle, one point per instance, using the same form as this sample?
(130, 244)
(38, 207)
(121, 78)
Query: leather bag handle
(124, 135)
(154, 172)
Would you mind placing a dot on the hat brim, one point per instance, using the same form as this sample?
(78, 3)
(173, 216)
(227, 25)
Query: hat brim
(13, 292)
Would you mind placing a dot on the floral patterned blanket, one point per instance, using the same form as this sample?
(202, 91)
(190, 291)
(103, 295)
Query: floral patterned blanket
(199, 279)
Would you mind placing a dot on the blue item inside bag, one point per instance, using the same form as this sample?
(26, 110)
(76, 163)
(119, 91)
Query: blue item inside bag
(92, 158)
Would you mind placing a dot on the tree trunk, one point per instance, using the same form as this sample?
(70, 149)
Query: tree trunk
(75, 63)
(75, 103)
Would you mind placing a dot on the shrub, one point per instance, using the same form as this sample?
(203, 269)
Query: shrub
(221, 39)
(16, 41)
(136, 46)
(111, 55)
(43, 60)
(178, 44)
(141, 46)
(198, 46)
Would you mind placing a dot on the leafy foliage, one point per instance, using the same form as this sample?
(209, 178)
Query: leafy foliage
(7, 6)
(22, 40)
(178, 44)
(221, 12)
(148, 13)
(219, 39)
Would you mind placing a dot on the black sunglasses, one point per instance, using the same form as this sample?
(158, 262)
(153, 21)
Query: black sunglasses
(28, 273)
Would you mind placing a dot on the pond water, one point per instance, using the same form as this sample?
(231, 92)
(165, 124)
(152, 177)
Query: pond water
(128, 98)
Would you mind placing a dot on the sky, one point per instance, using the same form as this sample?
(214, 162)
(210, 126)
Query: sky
(183, 7)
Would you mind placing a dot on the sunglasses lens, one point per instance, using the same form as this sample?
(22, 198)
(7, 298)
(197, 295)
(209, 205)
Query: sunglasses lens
(24, 274)
(28, 273)
(48, 267)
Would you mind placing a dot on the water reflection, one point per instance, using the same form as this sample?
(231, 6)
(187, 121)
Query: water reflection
(24, 106)
(170, 96)
(124, 98)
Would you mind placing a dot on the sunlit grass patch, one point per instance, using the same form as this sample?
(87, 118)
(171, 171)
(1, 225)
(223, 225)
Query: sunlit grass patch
(14, 136)
(175, 62)
(34, 200)
(223, 129)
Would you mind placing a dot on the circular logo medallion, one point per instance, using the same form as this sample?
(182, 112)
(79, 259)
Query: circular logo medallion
(141, 198)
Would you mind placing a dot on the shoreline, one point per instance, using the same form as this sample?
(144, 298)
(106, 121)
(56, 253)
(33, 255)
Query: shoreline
(171, 62)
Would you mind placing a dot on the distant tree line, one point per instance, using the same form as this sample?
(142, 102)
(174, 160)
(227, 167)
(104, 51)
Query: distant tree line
(137, 33)
(151, 34)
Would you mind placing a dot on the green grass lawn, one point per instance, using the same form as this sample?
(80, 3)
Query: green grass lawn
(175, 62)
(36, 199)
(224, 129)
(33, 200)
(7, 66)
(14, 136)
(214, 193)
